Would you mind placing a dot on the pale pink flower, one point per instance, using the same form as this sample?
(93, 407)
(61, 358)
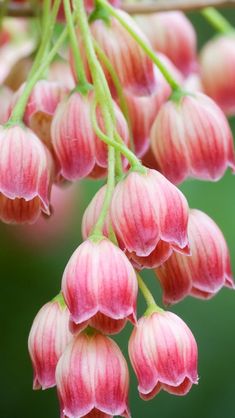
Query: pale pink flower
(41, 106)
(134, 69)
(163, 353)
(217, 65)
(92, 379)
(48, 338)
(192, 138)
(78, 149)
(25, 175)
(172, 34)
(147, 208)
(208, 268)
(99, 279)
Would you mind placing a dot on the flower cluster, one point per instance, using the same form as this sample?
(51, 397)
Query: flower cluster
(126, 90)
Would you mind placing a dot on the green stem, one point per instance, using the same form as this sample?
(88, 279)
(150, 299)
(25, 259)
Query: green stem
(148, 50)
(19, 109)
(150, 301)
(133, 160)
(118, 86)
(217, 20)
(145, 291)
(48, 24)
(83, 85)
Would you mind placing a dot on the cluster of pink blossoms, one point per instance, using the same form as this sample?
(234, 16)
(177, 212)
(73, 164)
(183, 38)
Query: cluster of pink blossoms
(142, 221)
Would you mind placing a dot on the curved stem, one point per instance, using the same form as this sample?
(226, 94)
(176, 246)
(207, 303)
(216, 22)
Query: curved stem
(217, 20)
(48, 24)
(149, 299)
(145, 291)
(133, 160)
(122, 101)
(83, 85)
(148, 50)
(18, 111)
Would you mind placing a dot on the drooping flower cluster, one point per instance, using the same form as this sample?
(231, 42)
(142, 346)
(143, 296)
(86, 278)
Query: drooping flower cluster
(136, 93)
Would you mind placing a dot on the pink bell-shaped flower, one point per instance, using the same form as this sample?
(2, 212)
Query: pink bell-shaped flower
(163, 353)
(172, 34)
(99, 279)
(48, 338)
(25, 175)
(208, 268)
(147, 208)
(191, 137)
(218, 58)
(92, 378)
(41, 107)
(134, 69)
(78, 149)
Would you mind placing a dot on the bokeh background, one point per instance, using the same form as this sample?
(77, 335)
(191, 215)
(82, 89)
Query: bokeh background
(31, 271)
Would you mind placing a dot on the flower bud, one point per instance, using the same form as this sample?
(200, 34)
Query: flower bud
(25, 175)
(147, 208)
(87, 287)
(217, 62)
(134, 69)
(172, 34)
(192, 137)
(208, 268)
(48, 338)
(163, 353)
(103, 391)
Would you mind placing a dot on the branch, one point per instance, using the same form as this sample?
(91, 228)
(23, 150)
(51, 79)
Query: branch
(183, 5)
(25, 10)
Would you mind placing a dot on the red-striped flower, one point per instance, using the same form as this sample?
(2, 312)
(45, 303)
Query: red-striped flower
(25, 175)
(218, 58)
(99, 279)
(146, 209)
(163, 353)
(172, 34)
(41, 107)
(192, 138)
(78, 149)
(134, 69)
(48, 338)
(92, 379)
(208, 268)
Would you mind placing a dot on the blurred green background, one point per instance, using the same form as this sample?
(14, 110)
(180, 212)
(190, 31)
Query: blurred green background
(31, 273)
